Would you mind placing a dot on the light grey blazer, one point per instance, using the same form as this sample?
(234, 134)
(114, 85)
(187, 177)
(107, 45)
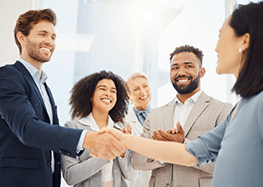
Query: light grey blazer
(85, 171)
(204, 116)
(142, 180)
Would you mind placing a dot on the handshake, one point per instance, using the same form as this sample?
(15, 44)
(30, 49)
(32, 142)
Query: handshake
(108, 143)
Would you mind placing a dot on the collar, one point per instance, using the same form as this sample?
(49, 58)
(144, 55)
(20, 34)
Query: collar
(193, 98)
(90, 121)
(33, 71)
(147, 110)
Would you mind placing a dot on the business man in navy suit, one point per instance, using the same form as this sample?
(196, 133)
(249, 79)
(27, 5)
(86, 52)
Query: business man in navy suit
(31, 140)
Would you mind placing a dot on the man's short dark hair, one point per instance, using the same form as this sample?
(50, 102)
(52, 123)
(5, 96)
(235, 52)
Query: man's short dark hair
(187, 48)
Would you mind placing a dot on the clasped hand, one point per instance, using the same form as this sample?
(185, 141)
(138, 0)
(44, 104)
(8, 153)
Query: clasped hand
(106, 143)
(174, 135)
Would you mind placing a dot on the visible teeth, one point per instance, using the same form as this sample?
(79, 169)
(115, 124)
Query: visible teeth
(145, 97)
(183, 80)
(46, 49)
(106, 100)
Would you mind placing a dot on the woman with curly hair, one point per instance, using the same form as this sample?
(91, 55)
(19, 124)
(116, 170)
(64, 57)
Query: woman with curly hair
(98, 101)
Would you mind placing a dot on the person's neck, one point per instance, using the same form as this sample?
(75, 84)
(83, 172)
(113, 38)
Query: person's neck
(141, 107)
(36, 64)
(101, 118)
(184, 97)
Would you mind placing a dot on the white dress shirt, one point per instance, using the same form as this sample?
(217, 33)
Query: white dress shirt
(182, 111)
(106, 171)
(40, 81)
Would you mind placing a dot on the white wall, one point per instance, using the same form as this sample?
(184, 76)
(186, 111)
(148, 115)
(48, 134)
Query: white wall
(9, 12)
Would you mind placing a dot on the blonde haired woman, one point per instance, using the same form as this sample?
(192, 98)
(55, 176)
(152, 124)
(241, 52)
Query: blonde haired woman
(139, 92)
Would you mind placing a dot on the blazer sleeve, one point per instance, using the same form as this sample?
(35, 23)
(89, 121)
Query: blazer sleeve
(77, 170)
(126, 168)
(209, 168)
(141, 162)
(19, 108)
(206, 147)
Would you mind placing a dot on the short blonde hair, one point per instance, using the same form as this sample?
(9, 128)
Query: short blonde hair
(134, 76)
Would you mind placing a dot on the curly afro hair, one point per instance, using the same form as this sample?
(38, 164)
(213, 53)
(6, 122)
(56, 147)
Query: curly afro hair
(83, 90)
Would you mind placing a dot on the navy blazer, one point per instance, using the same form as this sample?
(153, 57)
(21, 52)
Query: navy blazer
(26, 136)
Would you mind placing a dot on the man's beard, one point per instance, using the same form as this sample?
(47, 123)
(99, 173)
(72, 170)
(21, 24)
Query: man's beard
(185, 89)
(34, 54)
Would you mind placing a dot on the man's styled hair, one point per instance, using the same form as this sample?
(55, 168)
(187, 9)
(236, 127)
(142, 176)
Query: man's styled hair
(187, 48)
(26, 21)
(248, 19)
(82, 93)
(134, 76)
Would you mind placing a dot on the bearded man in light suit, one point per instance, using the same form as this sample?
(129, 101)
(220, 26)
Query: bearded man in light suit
(197, 114)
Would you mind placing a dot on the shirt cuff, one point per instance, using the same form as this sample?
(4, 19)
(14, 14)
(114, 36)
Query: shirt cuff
(198, 150)
(81, 140)
(161, 162)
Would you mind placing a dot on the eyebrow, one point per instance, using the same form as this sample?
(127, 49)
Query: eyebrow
(47, 32)
(185, 63)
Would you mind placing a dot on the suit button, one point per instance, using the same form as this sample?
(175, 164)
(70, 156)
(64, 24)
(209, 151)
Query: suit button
(167, 185)
(49, 163)
(149, 160)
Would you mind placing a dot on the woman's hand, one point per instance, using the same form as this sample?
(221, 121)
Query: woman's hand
(118, 134)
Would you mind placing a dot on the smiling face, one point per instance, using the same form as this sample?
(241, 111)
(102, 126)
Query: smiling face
(185, 73)
(228, 45)
(39, 45)
(105, 96)
(140, 93)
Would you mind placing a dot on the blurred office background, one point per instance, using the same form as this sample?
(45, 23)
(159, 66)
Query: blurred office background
(123, 36)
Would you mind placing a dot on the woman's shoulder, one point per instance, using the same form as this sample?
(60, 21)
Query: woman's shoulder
(74, 123)
(119, 124)
(256, 100)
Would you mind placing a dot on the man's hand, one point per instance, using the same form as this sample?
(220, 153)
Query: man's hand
(175, 135)
(103, 145)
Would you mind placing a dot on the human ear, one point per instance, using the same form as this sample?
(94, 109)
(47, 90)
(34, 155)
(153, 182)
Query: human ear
(130, 98)
(202, 72)
(245, 39)
(20, 37)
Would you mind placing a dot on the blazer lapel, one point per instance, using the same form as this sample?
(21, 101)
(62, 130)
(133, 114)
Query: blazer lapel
(53, 105)
(30, 79)
(168, 115)
(136, 124)
(200, 105)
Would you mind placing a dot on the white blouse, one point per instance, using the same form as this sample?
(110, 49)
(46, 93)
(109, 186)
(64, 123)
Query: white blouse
(107, 175)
